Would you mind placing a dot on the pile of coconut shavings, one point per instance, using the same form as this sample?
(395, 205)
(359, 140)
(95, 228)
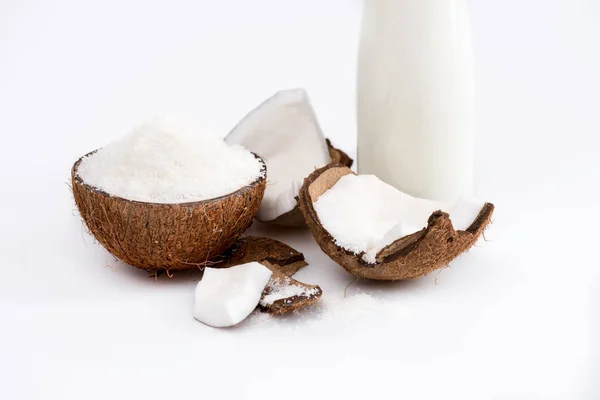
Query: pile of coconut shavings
(284, 290)
(165, 162)
(338, 307)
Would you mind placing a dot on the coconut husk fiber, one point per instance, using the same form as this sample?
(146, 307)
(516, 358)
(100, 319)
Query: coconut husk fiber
(157, 237)
(338, 156)
(407, 258)
(280, 258)
(294, 218)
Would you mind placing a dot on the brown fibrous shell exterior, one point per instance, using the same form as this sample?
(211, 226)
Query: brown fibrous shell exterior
(278, 255)
(409, 257)
(155, 236)
(338, 156)
(293, 303)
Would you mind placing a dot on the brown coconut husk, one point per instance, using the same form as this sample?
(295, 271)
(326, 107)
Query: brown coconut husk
(291, 219)
(294, 218)
(407, 258)
(157, 237)
(280, 258)
(275, 255)
(338, 156)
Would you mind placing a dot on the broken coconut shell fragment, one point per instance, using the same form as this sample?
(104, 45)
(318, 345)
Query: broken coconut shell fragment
(338, 156)
(284, 130)
(160, 236)
(408, 257)
(283, 293)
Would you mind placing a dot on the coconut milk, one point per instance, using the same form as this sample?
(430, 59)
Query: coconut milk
(415, 96)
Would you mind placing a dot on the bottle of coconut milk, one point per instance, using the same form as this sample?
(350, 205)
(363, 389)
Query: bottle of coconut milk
(415, 96)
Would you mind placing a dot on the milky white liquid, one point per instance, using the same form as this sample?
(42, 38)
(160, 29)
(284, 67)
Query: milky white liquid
(415, 96)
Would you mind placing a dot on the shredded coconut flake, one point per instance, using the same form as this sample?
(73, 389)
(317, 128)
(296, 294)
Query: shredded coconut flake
(165, 162)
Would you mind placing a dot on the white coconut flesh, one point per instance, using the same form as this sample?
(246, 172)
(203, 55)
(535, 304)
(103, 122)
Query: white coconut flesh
(226, 296)
(284, 131)
(364, 214)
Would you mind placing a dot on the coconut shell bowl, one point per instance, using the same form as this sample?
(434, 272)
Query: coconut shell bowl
(170, 237)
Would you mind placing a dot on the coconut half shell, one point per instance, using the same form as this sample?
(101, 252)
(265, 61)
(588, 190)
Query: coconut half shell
(280, 258)
(157, 237)
(408, 257)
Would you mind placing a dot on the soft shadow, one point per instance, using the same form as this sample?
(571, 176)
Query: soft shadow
(159, 278)
(386, 287)
(281, 233)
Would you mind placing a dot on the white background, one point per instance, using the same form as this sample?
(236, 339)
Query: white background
(516, 318)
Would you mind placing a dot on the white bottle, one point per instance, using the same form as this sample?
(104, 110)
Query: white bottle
(415, 96)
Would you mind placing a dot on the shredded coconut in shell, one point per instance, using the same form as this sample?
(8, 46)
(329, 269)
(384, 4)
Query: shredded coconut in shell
(165, 162)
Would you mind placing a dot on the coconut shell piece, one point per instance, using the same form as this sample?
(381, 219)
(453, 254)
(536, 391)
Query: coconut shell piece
(338, 156)
(157, 237)
(408, 257)
(308, 294)
(280, 258)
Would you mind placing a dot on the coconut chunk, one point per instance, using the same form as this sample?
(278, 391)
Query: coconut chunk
(378, 232)
(283, 293)
(285, 132)
(226, 296)
(338, 156)
(272, 253)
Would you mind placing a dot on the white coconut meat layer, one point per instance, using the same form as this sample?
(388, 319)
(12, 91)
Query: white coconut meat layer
(364, 214)
(164, 161)
(284, 131)
(226, 296)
